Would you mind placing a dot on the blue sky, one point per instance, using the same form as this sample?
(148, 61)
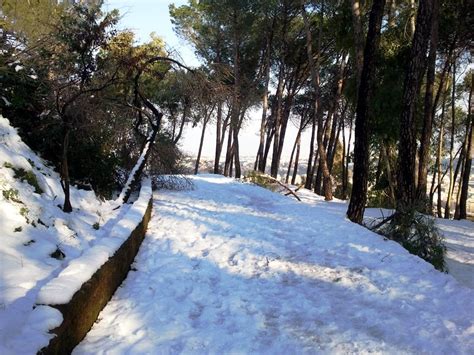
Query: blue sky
(147, 16)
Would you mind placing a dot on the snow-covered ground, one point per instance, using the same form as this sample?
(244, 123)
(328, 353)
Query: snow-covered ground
(234, 268)
(459, 239)
(37, 240)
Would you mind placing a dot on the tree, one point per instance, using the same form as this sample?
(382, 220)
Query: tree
(429, 108)
(407, 143)
(76, 71)
(223, 36)
(355, 211)
(315, 80)
(469, 153)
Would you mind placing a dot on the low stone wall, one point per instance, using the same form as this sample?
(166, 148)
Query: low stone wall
(83, 309)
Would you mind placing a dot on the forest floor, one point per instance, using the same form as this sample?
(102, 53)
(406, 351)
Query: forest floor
(233, 268)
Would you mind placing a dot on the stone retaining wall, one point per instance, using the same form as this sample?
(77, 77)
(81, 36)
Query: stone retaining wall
(83, 309)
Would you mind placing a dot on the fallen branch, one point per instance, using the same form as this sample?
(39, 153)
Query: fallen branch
(385, 220)
(290, 191)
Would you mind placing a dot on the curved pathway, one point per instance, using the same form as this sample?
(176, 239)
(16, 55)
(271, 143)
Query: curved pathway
(233, 268)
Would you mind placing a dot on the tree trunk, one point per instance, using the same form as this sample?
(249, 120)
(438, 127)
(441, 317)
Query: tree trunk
(355, 211)
(284, 124)
(235, 151)
(181, 126)
(424, 156)
(295, 149)
(460, 166)
(65, 182)
(345, 182)
(259, 164)
(319, 173)
(358, 39)
(203, 132)
(439, 156)
(407, 144)
(314, 69)
(333, 151)
(278, 118)
(468, 160)
(309, 169)
(343, 161)
(137, 171)
(287, 178)
(236, 99)
(388, 169)
(315, 164)
(432, 188)
(323, 162)
(447, 208)
(268, 144)
(218, 138)
(259, 159)
(228, 155)
(295, 169)
(225, 125)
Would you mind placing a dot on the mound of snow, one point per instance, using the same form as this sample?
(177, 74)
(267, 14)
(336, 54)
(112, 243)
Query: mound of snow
(33, 229)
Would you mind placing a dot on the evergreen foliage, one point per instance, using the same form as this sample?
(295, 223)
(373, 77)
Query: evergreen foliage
(417, 233)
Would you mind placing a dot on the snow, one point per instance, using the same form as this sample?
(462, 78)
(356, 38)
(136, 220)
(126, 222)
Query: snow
(134, 170)
(459, 241)
(5, 100)
(41, 318)
(32, 227)
(61, 289)
(234, 268)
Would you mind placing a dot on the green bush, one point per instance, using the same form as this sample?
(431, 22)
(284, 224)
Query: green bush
(28, 176)
(24, 212)
(11, 194)
(418, 234)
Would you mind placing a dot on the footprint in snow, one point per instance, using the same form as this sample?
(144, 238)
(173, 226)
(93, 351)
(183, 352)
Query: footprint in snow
(231, 261)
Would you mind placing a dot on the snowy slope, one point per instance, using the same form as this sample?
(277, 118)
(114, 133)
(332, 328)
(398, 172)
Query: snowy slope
(33, 227)
(234, 268)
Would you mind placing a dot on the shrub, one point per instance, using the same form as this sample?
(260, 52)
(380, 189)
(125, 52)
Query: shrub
(28, 176)
(24, 212)
(11, 194)
(418, 234)
(58, 254)
(96, 226)
(172, 182)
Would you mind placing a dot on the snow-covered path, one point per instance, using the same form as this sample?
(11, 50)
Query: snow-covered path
(459, 239)
(234, 268)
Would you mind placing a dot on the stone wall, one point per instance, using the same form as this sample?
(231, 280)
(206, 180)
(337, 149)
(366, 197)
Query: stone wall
(83, 309)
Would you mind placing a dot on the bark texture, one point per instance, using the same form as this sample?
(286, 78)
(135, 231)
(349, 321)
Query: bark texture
(355, 211)
(413, 78)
